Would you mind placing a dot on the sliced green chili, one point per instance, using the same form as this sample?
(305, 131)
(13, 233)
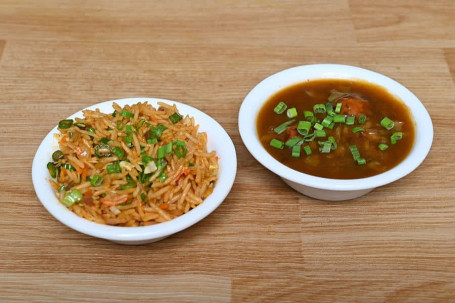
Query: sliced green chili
(64, 124)
(52, 169)
(57, 155)
(103, 150)
(362, 119)
(180, 148)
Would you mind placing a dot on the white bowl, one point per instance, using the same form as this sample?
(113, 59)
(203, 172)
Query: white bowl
(325, 188)
(218, 140)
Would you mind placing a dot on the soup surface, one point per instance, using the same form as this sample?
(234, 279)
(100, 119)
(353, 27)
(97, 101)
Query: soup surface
(340, 129)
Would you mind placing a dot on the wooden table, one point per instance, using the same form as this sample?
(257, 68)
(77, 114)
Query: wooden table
(266, 242)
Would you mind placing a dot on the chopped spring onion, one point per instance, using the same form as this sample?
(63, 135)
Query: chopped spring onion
(355, 152)
(357, 129)
(103, 150)
(361, 161)
(327, 121)
(334, 142)
(326, 147)
(130, 183)
(395, 137)
(362, 119)
(175, 117)
(163, 177)
(139, 123)
(383, 146)
(52, 169)
(329, 109)
(291, 112)
(277, 143)
(280, 108)
(282, 127)
(152, 141)
(319, 109)
(128, 140)
(318, 126)
(307, 150)
(91, 129)
(338, 107)
(129, 129)
(308, 115)
(64, 124)
(104, 140)
(293, 141)
(156, 132)
(143, 197)
(80, 125)
(71, 197)
(118, 152)
(127, 114)
(387, 123)
(57, 155)
(350, 120)
(304, 127)
(319, 133)
(96, 180)
(339, 118)
(296, 151)
(114, 168)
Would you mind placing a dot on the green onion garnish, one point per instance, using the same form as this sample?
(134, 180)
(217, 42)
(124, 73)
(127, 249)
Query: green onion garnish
(383, 146)
(128, 140)
(129, 129)
(326, 147)
(114, 168)
(130, 183)
(355, 152)
(296, 151)
(71, 197)
(163, 177)
(357, 129)
(143, 197)
(362, 119)
(175, 117)
(277, 143)
(361, 161)
(104, 140)
(126, 114)
(280, 108)
(329, 109)
(291, 112)
(91, 129)
(96, 180)
(293, 141)
(327, 121)
(319, 109)
(282, 127)
(118, 152)
(304, 127)
(334, 143)
(350, 120)
(395, 137)
(338, 107)
(308, 115)
(319, 133)
(307, 150)
(339, 118)
(387, 123)
(64, 124)
(318, 126)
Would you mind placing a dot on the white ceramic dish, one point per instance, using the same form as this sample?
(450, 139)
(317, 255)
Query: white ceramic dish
(218, 140)
(324, 188)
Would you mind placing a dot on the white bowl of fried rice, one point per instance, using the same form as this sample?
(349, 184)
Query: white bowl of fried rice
(135, 170)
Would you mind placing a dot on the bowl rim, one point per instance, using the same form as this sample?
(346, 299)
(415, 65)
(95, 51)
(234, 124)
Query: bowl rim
(226, 176)
(266, 88)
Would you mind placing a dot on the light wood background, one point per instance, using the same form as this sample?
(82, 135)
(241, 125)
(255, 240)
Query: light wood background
(265, 243)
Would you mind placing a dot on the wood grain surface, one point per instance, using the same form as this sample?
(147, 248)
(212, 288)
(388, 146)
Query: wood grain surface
(266, 242)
